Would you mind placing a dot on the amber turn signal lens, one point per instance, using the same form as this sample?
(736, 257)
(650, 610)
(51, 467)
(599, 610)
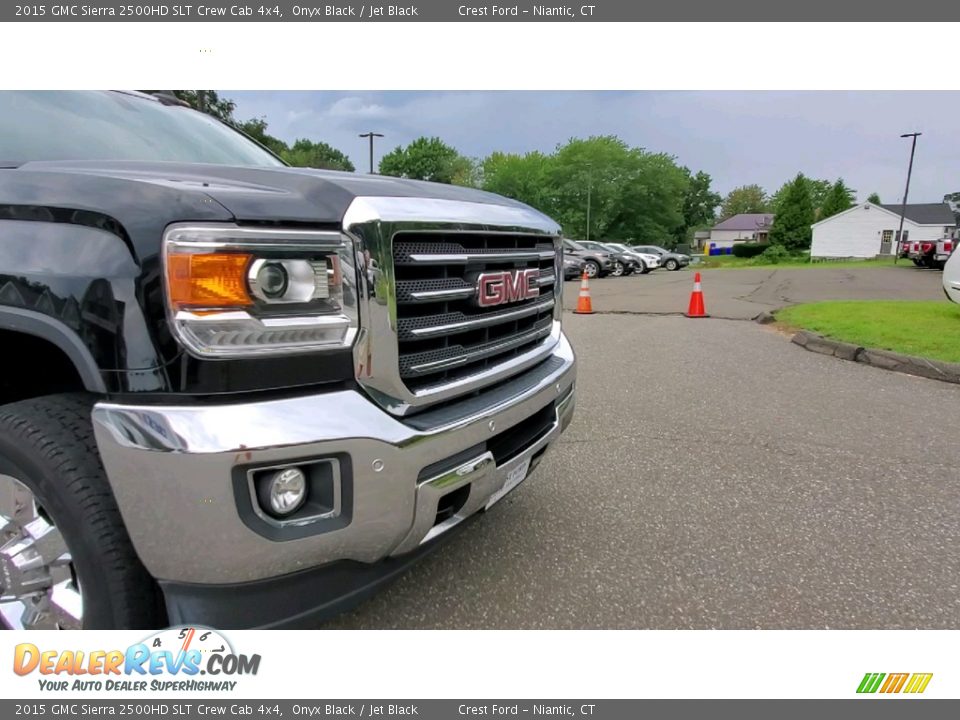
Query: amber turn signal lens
(208, 280)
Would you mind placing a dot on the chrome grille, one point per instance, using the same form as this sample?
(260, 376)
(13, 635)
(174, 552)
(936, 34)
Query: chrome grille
(442, 334)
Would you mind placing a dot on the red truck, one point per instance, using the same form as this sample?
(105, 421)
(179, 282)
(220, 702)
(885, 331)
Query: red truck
(930, 253)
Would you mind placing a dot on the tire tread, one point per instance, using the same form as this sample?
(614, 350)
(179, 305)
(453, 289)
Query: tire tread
(57, 430)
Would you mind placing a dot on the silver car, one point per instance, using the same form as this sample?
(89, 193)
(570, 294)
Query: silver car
(669, 260)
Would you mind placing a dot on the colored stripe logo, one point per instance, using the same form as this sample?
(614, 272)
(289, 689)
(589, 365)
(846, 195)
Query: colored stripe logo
(913, 683)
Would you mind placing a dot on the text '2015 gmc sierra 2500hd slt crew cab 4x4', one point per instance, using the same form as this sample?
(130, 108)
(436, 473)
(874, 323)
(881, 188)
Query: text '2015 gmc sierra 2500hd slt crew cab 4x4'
(242, 394)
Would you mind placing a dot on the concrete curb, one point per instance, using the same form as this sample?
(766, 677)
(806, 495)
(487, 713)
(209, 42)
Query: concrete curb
(885, 359)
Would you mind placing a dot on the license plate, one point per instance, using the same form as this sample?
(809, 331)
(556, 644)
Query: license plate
(514, 478)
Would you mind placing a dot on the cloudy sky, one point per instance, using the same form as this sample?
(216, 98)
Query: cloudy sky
(737, 137)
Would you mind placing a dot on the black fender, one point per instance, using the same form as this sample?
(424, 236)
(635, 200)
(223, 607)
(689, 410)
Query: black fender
(76, 286)
(30, 322)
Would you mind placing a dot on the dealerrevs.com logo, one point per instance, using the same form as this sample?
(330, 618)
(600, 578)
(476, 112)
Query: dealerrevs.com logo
(893, 683)
(172, 659)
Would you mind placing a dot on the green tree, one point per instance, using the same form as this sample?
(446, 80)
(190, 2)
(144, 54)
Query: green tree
(632, 194)
(651, 206)
(467, 172)
(303, 153)
(744, 199)
(874, 198)
(429, 159)
(817, 189)
(521, 177)
(307, 153)
(953, 200)
(839, 198)
(207, 101)
(795, 215)
(699, 203)
(257, 129)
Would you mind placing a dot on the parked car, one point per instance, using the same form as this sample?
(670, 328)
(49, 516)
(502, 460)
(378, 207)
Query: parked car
(646, 261)
(930, 253)
(597, 263)
(623, 263)
(951, 276)
(572, 267)
(668, 259)
(240, 394)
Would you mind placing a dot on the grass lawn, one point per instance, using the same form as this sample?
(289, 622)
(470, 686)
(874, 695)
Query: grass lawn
(925, 329)
(732, 261)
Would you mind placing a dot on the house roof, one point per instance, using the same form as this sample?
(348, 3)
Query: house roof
(938, 214)
(926, 213)
(746, 221)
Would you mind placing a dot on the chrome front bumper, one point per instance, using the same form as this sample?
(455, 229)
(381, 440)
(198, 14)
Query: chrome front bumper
(173, 472)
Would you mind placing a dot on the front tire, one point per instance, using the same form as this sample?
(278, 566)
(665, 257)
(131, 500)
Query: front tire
(671, 265)
(617, 269)
(60, 515)
(592, 269)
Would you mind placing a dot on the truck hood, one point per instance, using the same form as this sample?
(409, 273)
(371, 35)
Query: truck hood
(137, 200)
(266, 193)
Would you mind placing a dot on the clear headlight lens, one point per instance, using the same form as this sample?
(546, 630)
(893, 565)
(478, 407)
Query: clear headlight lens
(235, 291)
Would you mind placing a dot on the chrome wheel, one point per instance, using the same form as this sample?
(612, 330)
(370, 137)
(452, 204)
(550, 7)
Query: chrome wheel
(672, 265)
(617, 269)
(592, 269)
(38, 582)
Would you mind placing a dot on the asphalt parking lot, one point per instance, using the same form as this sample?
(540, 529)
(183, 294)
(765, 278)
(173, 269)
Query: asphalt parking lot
(715, 476)
(744, 293)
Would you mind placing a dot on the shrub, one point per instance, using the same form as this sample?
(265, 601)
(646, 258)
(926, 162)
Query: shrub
(773, 255)
(750, 249)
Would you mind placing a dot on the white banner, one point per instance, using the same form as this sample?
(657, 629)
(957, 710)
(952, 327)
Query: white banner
(459, 664)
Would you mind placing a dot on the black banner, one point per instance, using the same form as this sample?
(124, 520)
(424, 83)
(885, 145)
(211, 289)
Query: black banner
(859, 11)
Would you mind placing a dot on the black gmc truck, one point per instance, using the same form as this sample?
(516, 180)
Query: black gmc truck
(240, 394)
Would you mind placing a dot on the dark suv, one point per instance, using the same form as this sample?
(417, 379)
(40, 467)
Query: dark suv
(624, 263)
(596, 263)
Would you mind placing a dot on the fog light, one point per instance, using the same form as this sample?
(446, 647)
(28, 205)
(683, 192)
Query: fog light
(286, 491)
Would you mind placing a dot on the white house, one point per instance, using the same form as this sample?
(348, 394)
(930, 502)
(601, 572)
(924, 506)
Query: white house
(740, 228)
(867, 230)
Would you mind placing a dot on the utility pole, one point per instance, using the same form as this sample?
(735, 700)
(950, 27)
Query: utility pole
(589, 191)
(371, 135)
(903, 206)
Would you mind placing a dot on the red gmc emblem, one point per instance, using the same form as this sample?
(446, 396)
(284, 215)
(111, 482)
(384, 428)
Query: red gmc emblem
(506, 286)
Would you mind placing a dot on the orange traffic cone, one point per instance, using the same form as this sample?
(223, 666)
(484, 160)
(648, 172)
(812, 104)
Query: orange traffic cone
(696, 309)
(584, 306)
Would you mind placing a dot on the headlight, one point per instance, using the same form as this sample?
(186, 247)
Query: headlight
(235, 291)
